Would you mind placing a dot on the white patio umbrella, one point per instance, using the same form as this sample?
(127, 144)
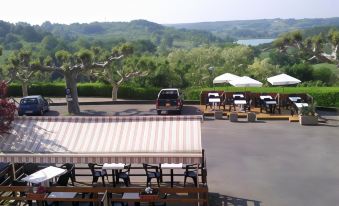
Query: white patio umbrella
(283, 79)
(245, 81)
(224, 78)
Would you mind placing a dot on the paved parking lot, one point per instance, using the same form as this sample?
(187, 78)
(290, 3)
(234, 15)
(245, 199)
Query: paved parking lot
(273, 163)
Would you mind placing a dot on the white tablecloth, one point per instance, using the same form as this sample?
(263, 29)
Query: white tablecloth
(113, 166)
(214, 100)
(294, 99)
(270, 102)
(44, 175)
(240, 102)
(215, 94)
(238, 95)
(265, 97)
(171, 166)
(300, 105)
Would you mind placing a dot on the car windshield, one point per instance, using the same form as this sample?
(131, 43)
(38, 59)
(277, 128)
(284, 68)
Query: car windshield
(28, 101)
(169, 94)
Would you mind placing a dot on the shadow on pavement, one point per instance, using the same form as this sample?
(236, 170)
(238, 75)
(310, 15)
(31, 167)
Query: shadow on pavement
(217, 199)
(52, 113)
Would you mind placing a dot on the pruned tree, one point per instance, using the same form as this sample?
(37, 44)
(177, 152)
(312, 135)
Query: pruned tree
(19, 68)
(70, 66)
(312, 48)
(124, 69)
(7, 109)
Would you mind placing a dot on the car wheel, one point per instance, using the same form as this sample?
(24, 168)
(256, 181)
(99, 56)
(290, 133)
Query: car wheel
(159, 112)
(41, 112)
(20, 114)
(179, 112)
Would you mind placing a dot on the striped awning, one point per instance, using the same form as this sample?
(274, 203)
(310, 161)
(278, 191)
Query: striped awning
(132, 139)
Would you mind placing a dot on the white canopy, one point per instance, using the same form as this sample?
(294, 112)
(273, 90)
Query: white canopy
(283, 79)
(245, 81)
(224, 78)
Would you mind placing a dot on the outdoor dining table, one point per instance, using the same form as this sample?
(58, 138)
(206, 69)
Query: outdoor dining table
(171, 166)
(214, 101)
(69, 195)
(241, 96)
(240, 102)
(294, 99)
(132, 196)
(114, 167)
(42, 176)
(263, 97)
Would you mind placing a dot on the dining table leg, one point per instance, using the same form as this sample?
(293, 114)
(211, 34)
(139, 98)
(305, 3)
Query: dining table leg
(172, 177)
(113, 176)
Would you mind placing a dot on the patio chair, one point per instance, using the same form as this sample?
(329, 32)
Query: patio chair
(226, 101)
(152, 174)
(191, 172)
(247, 106)
(124, 174)
(96, 174)
(63, 179)
(71, 168)
(30, 168)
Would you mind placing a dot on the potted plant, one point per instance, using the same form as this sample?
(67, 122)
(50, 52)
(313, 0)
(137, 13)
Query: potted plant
(307, 115)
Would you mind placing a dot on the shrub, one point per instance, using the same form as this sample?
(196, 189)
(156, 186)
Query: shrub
(85, 90)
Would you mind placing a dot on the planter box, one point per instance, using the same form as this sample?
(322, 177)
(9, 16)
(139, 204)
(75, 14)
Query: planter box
(308, 120)
(251, 117)
(218, 114)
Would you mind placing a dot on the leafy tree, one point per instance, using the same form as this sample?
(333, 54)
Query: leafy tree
(311, 48)
(261, 69)
(325, 75)
(19, 68)
(124, 69)
(70, 66)
(303, 72)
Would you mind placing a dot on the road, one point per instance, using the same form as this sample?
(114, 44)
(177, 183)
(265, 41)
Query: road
(274, 163)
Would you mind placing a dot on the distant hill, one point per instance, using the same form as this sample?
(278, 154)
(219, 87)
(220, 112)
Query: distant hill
(262, 28)
(134, 30)
(52, 37)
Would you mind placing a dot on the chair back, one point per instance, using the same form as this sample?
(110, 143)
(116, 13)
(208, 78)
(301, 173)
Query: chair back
(63, 179)
(148, 167)
(127, 168)
(30, 168)
(191, 167)
(71, 168)
(91, 167)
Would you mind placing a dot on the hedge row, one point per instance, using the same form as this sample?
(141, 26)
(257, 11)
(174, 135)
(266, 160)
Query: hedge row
(86, 90)
(324, 96)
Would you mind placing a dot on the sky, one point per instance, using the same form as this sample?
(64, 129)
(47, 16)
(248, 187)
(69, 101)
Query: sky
(162, 11)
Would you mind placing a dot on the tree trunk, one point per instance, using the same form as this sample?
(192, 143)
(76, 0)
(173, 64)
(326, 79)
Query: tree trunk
(24, 88)
(72, 104)
(115, 89)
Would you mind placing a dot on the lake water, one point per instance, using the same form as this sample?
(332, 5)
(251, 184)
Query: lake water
(254, 42)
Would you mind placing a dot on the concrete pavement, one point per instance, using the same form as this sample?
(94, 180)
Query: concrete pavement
(267, 163)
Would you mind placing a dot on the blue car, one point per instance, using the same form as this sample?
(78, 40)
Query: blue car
(31, 105)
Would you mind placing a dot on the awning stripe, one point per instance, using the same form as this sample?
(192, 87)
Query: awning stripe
(139, 136)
